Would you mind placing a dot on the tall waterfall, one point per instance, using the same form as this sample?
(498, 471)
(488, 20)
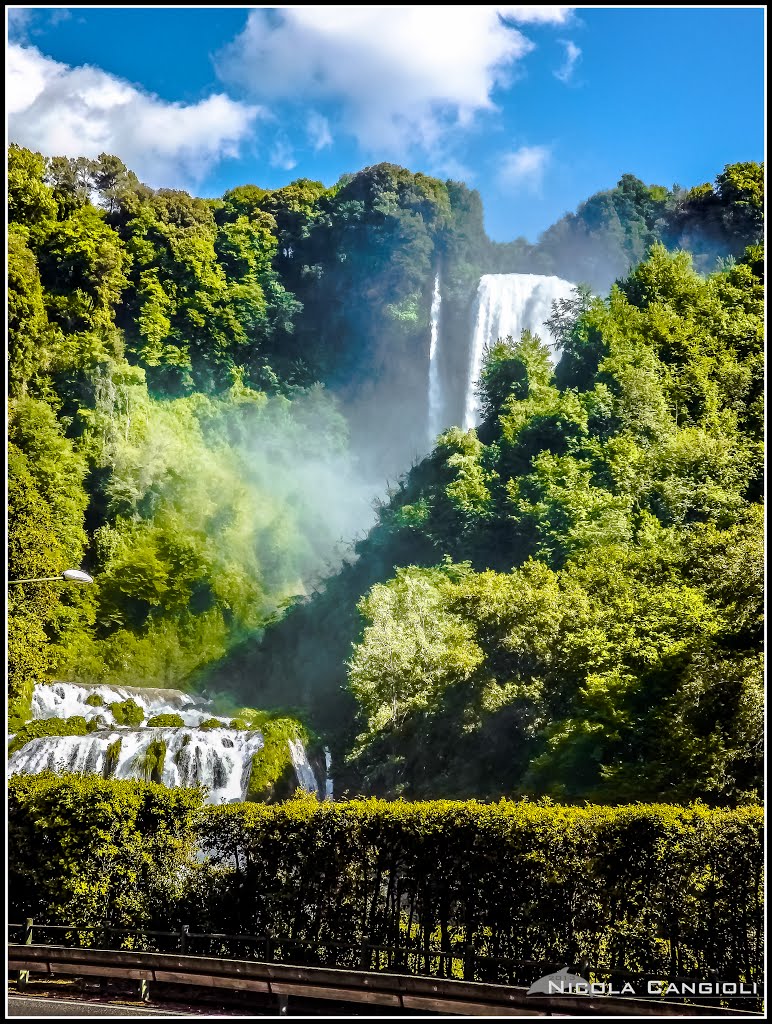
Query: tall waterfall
(435, 384)
(506, 304)
(218, 758)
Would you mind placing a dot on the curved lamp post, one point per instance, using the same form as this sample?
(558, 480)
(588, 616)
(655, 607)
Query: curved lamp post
(69, 576)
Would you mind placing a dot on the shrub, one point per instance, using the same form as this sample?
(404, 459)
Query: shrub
(127, 712)
(170, 721)
(38, 727)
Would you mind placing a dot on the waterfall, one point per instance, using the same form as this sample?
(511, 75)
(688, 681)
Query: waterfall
(63, 700)
(327, 766)
(506, 304)
(303, 770)
(435, 385)
(218, 758)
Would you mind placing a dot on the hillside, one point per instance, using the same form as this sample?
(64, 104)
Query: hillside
(206, 395)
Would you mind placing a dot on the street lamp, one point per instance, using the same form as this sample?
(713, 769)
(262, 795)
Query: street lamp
(69, 576)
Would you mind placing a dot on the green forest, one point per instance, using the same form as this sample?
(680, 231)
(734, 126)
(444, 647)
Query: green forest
(563, 603)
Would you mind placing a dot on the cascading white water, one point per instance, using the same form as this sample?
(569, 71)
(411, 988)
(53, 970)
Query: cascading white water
(219, 759)
(328, 781)
(435, 384)
(63, 700)
(506, 304)
(303, 769)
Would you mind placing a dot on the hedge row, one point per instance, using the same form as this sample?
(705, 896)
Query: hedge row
(638, 888)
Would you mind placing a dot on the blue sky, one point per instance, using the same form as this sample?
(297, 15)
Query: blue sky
(537, 107)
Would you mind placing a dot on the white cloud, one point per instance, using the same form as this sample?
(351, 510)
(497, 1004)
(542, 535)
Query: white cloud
(283, 156)
(19, 19)
(524, 168)
(318, 128)
(65, 111)
(401, 75)
(573, 53)
(536, 14)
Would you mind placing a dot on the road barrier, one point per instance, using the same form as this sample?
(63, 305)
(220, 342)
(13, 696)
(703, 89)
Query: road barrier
(409, 993)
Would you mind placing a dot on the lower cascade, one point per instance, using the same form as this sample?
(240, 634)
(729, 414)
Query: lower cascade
(506, 305)
(218, 758)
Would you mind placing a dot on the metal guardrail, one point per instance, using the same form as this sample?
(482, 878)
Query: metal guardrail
(463, 962)
(281, 981)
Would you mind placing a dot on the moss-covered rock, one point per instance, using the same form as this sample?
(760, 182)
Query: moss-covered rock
(127, 712)
(112, 756)
(178, 754)
(152, 763)
(211, 723)
(169, 721)
(272, 774)
(95, 700)
(38, 727)
(19, 704)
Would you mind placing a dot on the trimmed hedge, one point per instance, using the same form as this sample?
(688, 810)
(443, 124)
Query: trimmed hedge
(638, 887)
(93, 851)
(649, 888)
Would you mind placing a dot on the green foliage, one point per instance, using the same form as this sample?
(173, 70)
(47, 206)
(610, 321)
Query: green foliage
(553, 630)
(272, 773)
(413, 646)
(637, 888)
(210, 723)
(95, 700)
(167, 433)
(46, 502)
(112, 756)
(127, 712)
(202, 530)
(29, 201)
(611, 232)
(152, 764)
(38, 727)
(622, 887)
(30, 335)
(168, 721)
(99, 851)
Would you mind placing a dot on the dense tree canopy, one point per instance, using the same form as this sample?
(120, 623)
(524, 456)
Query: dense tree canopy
(563, 601)
(557, 621)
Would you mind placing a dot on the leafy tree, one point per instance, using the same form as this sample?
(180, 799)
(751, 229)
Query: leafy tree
(46, 501)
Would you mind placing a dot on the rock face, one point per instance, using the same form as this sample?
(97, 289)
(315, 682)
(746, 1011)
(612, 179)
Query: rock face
(218, 758)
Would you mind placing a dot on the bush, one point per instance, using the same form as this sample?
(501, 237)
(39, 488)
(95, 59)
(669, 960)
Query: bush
(211, 723)
(38, 727)
(170, 721)
(637, 887)
(127, 712)
(650, 888)
(90, 850)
